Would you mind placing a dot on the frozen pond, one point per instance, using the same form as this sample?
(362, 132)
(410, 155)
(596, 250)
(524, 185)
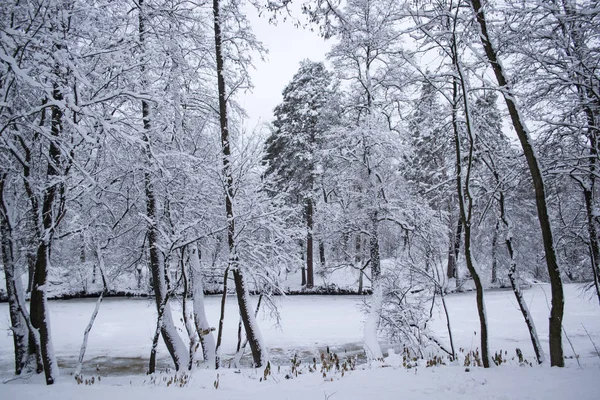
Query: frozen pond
(121, 338)
(120, 341)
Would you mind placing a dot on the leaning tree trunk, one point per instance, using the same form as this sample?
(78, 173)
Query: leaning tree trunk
(259, 353)
(465, 199)
(77, 374)
(200, 320)
(557, 309)
(173, 341)
(14, 291)
(512, 271)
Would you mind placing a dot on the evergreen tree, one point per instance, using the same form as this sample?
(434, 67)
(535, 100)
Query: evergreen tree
(292, 150)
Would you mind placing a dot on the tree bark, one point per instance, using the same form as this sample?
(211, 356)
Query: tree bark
(322, 254)
(495, 253)
(557, 308)
(14, 291)
(454, 250)
(38, 304)
(310, 280)
(465, 199)
(372, 347)
(200, 320)
(86, 333)
(252, 332)
(221, 320)
(171, 337)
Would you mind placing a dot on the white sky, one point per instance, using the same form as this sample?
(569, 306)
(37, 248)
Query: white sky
(287, 46)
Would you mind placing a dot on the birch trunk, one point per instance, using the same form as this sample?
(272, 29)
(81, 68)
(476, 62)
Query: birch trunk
(86, 333)
(200, 320)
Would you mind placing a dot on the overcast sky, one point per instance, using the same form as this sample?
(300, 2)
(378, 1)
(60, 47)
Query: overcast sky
(287, 46)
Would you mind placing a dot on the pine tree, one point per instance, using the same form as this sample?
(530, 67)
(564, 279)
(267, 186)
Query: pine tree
(292, 150)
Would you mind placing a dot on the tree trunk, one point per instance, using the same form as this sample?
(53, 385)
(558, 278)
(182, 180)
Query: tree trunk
(190, 328)
(38, 304)
(322, 254)
(590, 103)
(593, 234)
(252, 332)
(465, 199)
(30, 270)
(372, 347)
(86, 333)
(495, 253)
(358, 261)
(221, 320)
(454, 250)
(200, 320)
(535, 341)
(171, 337)
(589, 190)
(303, 267)
(14, 291)
(310, 282)
(557, 309)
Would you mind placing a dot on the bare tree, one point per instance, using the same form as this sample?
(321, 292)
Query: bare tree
(259, 352)
(557, 309)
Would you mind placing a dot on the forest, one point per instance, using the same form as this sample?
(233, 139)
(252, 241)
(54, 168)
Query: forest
(445, 146)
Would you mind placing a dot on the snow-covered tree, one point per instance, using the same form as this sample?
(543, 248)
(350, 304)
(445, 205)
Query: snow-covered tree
(294, 149)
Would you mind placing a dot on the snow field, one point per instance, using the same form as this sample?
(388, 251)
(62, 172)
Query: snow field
(123, 330)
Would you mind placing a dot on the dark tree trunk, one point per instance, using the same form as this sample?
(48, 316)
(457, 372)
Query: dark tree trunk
(454, 250)
(310, 282)
(374, 249)
(495, 253)
(358, 262)
(577, 50)
(40, 318)
(157, 268)
(303, 267)
(30, 270)
(512, 271)
(169, 333)
(557, 309)
(593, 234)
(258, 352)
(221, 320)
(19, 328)
(589, 190)
(465, 200)
(322, 254)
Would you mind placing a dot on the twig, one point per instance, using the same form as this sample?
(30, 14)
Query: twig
(571, 344)
(593, 344)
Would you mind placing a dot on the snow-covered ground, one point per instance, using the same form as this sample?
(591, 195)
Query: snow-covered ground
(119, 347)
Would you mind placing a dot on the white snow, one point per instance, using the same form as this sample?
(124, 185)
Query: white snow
(124, 328)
